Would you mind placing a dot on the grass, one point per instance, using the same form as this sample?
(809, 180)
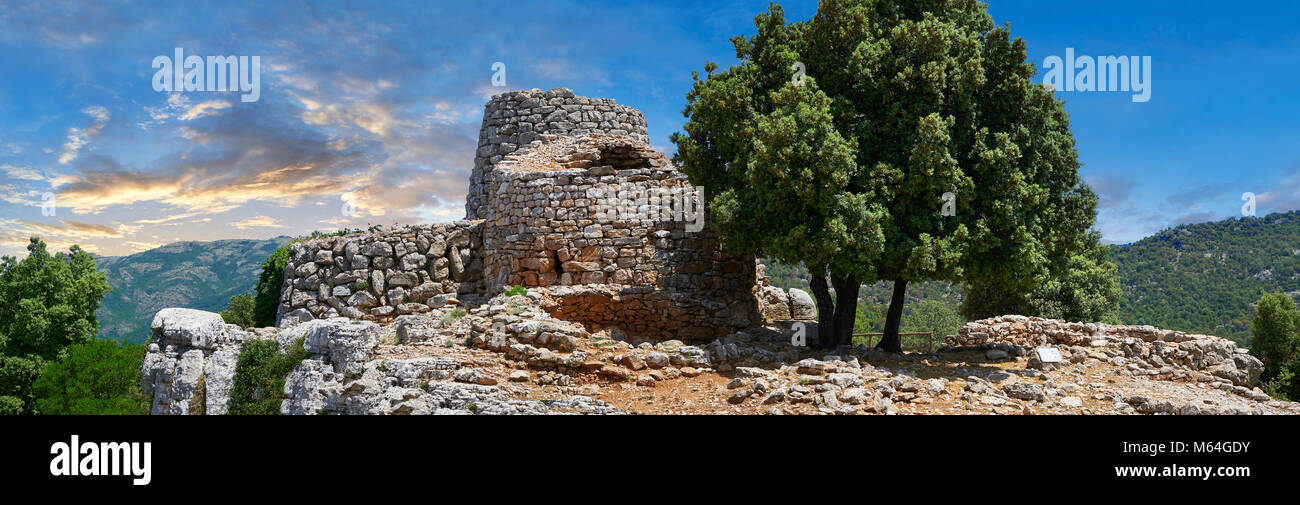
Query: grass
(453, 316)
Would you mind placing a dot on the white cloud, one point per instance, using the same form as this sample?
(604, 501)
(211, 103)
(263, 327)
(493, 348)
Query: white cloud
(77, 138)
(257, 222)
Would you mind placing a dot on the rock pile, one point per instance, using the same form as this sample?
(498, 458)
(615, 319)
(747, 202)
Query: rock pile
(1143, 350)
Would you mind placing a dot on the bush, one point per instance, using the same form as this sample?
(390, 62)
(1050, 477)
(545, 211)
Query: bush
(241, 310)
(517, 291)
(453, 316)
(1275, 340)
(269, 283)
(96, 377)
(258, 385)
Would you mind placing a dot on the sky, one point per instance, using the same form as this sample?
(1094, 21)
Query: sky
(368, 113)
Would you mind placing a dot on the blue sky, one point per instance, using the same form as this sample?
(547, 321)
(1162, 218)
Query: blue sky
(379, 107)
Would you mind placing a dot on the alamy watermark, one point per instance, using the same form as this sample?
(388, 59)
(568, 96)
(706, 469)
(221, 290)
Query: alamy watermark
(216, 73)
(1103, 73)
(678, 203)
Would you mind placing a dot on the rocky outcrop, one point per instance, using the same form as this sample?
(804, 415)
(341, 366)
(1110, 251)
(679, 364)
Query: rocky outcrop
(1142, 350)
(188, 348)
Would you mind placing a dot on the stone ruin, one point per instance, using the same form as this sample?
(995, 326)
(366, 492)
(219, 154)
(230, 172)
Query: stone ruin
(567, 198)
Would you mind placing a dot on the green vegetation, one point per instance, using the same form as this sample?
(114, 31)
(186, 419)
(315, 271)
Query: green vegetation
(195, 275)
(453, 316)
(47, 303)
(1276, 330)
(886, 141)
(258, 385)
(1204, 277)
(517, 290)
(269, 283)
(1081, 286)
(271, 280)
(94, 377)
(240, 311)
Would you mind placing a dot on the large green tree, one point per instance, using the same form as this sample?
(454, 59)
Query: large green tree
(885, 141)
(46, 304)
(1276, 341)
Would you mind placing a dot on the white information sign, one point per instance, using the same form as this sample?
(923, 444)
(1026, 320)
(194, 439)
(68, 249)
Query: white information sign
(1049, 354)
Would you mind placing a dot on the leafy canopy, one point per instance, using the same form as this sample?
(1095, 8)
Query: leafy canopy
(97, 377)
(46, 304)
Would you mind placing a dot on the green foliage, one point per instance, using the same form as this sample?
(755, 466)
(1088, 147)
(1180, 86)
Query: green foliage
(258, 385)
(95, 377)
(1276, 332)
(936, 317)
(271, 280)
(269, 284)
(195, 275)
(1280, 386)
(453, 316)
(845, 170)
(46, 304)
(241, 310)
(1204, 277)
(1081, 285)
(517, 290)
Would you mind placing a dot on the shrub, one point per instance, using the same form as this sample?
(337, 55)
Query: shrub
(258, 385)
(269, 283)
(517, 290)
(453, 316)
(96, 377)
(241, 310)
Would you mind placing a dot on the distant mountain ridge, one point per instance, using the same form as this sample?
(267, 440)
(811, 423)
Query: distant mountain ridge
(1206, 277)
(197, 275)
(1197, 278)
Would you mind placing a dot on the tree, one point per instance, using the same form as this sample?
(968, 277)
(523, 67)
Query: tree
(46, 304)
(1276, 340)
(241, 310)
(269, 284)
(94, 377)
(855, 143)
(1081, 284)
(936, 317)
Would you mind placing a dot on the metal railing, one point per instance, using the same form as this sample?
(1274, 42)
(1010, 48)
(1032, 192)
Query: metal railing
(929, 346)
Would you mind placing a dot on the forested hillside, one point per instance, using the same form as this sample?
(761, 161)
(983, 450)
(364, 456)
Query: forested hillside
(1200, 278)
(1205, 277)
(196, 275)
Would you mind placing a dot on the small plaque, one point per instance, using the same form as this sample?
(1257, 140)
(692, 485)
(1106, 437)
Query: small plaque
(1049, 354)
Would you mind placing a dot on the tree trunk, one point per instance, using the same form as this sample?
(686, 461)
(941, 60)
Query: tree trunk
(825, 308)
(890, 342)
(846, 308)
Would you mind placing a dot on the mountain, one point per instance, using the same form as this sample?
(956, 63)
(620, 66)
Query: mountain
(197, 275)
(1206, 277)
(1197, 278)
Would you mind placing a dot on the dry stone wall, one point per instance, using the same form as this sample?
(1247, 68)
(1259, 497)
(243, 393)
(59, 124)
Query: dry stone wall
(1141, 350)
(380, 275)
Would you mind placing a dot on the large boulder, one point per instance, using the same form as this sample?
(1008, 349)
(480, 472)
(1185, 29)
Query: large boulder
(774, 303)
(801, 305)
(188, 328)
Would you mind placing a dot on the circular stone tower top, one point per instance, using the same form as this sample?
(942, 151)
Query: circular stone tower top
(517, 120)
